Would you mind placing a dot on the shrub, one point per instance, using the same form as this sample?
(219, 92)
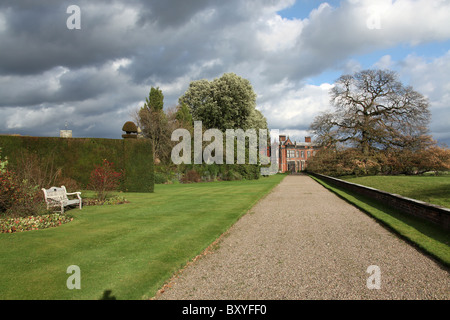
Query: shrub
(165, 173)
(70, 184)
(6, 185)
(233, 175)
(129, 127)
(20, 193)
(9, 190)
(160, 178)
(131, 130)
(104, 179)
(191, 176)
(38, 171)
(19, 199)
(30, 202)
(395, 161)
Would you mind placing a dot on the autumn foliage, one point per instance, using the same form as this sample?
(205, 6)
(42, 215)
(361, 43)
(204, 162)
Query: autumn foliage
(104, 179)
(18, 198)
(352, 161)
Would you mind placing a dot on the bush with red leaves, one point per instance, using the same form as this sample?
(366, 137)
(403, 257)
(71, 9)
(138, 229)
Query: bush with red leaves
(104, 179)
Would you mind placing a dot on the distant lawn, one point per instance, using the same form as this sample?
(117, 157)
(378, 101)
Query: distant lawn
(425, 235)
(125, 251)
(432, 189)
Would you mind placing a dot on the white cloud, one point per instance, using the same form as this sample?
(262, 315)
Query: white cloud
(25, 118)
(384, 63)
(295, 108)
(119, 63)
(418, 21)
(277, 33)
(125, 48)
(431, 77)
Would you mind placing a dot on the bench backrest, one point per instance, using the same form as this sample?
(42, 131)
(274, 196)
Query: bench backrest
(56, 193)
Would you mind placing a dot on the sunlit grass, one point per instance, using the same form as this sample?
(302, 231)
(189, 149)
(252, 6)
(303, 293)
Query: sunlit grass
(432, 189)
(129, 249)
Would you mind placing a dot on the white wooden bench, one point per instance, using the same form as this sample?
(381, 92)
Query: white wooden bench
(57, 197)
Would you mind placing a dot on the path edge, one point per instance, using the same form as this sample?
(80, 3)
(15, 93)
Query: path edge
(211, 247)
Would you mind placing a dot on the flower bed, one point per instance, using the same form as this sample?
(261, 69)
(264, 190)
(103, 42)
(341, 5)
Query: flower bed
(109, 201)
(20, 224)
(10, 225)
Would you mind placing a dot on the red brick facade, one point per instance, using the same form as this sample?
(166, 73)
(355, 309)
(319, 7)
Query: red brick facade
(294, 156)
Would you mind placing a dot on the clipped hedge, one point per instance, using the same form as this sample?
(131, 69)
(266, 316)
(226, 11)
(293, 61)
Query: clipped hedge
(138, 166)
(77, 157)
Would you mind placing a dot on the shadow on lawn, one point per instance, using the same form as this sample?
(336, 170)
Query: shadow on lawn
(107, 295)
(421, 225)
(426, 227)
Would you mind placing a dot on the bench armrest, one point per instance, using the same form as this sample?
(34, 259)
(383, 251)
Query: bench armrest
(78, 194)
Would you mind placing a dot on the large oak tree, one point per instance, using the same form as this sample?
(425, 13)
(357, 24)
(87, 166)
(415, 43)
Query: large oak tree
(374, 110)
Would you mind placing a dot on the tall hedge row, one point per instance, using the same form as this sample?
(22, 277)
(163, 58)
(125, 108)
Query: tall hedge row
(77, 157)
(138, 165)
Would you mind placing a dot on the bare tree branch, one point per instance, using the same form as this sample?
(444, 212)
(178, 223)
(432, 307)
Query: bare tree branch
(372, 109)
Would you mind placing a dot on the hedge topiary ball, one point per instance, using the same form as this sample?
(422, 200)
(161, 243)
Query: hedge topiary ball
(129, 127)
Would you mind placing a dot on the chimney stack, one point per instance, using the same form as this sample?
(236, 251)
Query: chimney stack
(282, 138)
(307, 139)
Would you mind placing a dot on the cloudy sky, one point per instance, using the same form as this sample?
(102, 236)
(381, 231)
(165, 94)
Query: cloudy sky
(93, 78)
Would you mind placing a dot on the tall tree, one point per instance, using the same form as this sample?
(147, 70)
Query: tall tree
(155, 100)
(227, 102)
(374, 110)
(183, 116)
(154, 125)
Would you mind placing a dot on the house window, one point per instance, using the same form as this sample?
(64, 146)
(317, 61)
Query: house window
(303, 154)
(291, 154)
(309, 153)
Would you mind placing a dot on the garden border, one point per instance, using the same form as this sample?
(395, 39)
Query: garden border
(433, 213)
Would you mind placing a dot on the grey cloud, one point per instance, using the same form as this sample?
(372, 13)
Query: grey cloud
(37, 38)
(168, 44)
(172, 13)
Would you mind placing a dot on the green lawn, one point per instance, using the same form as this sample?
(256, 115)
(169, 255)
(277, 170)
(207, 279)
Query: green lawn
(426, 236)
(432, 189)
(129, 250)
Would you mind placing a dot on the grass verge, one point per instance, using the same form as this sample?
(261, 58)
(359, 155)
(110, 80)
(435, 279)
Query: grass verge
(125, 251)
(429, 238)
(431, 189)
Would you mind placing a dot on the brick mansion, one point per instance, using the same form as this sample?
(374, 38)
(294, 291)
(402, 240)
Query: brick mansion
(293, 156)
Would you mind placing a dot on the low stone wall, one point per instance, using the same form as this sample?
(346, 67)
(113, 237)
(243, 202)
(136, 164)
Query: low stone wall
(436, 214)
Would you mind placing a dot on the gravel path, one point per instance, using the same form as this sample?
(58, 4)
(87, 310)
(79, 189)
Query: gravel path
(303, 242)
